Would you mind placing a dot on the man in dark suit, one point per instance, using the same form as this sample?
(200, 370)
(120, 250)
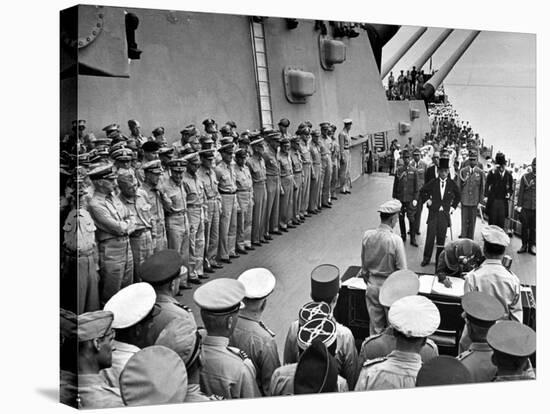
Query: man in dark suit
(442, 197)
(431, 171)
(498, 191)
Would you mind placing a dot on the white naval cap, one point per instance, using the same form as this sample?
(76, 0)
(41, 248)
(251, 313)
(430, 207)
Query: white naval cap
(399, 284)
(347, 121)
(414, 316)
(131, 304)
(390, 207)
(258, 282)
(495, 235)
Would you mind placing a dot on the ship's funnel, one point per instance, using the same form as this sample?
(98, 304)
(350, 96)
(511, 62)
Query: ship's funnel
(419, 63)
(388, 66)
(431, 85)
(379, 35)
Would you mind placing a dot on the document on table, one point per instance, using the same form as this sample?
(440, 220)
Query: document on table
(430, 284)
(355, 283)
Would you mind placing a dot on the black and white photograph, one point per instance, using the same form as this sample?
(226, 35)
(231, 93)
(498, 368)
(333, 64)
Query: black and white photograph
(257, 204)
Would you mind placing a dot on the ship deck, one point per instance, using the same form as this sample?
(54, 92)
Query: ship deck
(334, 236)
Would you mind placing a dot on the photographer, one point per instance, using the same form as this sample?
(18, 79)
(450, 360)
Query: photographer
(458, 258)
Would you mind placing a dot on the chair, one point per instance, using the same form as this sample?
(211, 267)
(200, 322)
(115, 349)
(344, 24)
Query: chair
(447, 335)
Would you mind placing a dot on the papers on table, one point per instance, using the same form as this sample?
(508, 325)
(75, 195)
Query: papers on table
(355, 283)
(430, 284)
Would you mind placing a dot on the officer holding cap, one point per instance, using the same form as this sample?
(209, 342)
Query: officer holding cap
(251, 335)
(227, 371)
(129, 307)
(413, 318)
(399, 284)
(481, 311)
(163, 271)
(512, 344)
(382, 254)
(325, 286)
(95, 340)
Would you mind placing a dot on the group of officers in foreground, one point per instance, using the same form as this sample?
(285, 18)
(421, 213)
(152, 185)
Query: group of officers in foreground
(212, 196)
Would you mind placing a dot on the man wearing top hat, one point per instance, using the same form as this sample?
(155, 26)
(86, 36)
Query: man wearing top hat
(382, 253)
(344, 141)
(498, 190)
(471, 180)
(256, 166)
(442, 197)
(527, 208)
(114, 223)
(226, 371)
(325, 287)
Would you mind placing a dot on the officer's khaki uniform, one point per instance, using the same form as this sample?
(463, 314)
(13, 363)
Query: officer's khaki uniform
(297, 170)
(113, 222)
(527, 200)
(381, 345)
(325, 146)
(306, 171)
(158, 201)
(226, 371)
(472, 186)
(315, 193)
(212, 220)
(245, 203)
(273, 186)
(80, 279)
(141, 239)
(196, 205)
(335, 158)
(93, 392)
(256, 166)
(405, 189)
(227, 186)
(477, 360)
(194, 394)
(254, 338)
(346, 352)
(177, 224)
(122, 352)
(397, 370)
(287, 182)
(282, 381)
(344, 141)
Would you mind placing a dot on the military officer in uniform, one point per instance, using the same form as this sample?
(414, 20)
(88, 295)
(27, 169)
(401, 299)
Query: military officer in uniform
(471, 180)
(315, 192)
(421, 168)
(325, 146)
(459, 257)
(213, 202)
(527, 208)
(256, 166)
(498, 190)
(158, 136)
(196, 205)
(325, 286)
(273, 184)
(283, 128)
(226, 371)
(135, 133)
(251, 335)
(150, 152)
(158, 200)
(344, 140)
(306, 170)
(227, 187)
(512, 344)
(163, 271)
(297, 170)
(399, 284)
(245, 202)
(405, 189)
(95, 342)
(382, 253)
(413, 319)
(114, 223)
(481, 311)
(287, 186)
(123, 160)
(336, 159)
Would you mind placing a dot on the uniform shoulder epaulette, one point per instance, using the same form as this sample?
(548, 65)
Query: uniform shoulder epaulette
(371, 362)
(465, 354)
(236, 351)
(269, 331)
(185, 307)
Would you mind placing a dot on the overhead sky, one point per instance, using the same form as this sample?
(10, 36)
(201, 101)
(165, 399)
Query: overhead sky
(492, 85)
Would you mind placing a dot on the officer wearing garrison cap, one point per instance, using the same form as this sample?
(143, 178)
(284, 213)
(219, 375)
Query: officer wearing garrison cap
(163, 271)
(129, 307)
(399, 284)
(95, 338)
(256, 166)
(481, 311)
(227, 371)
(471, 181)
(159, 201)
(318, 330)
(325, 286)
(114, 223)
(382, 253)
(413, 319)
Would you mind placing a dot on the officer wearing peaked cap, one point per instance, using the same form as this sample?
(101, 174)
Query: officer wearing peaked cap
(481, 311)
(382, 254)
(129, 306)
(251, 335)
(413, 319)
(405, 189)
(512, 344)
(227, 371)
(325, 286)
(158, 199)
(163, 271)
(154, 375)
(95, 336)
(399, 284)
